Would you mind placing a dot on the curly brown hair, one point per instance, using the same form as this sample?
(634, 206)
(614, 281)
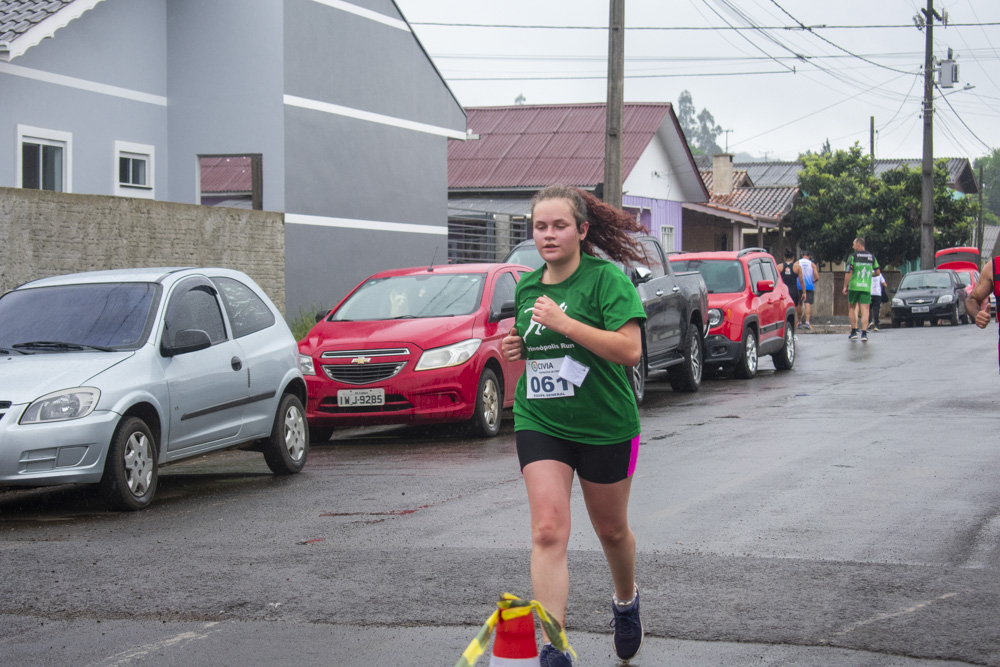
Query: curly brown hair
(611, 229)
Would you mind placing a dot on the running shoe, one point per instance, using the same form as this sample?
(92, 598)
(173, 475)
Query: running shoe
(553, 657)
(854, 335)
(628, 629)
(864, 336)
(875, 327)
(806, 325)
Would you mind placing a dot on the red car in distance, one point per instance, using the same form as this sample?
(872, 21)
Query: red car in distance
(750, 313)
(412, 346)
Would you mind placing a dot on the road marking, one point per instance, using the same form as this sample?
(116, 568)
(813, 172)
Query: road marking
(884, 617)
(141, 652)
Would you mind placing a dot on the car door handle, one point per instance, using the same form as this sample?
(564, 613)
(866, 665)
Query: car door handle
(236, 363)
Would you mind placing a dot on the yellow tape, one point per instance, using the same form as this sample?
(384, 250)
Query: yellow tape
(510, 606)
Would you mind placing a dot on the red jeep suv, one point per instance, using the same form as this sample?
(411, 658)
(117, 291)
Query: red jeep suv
(750, 312)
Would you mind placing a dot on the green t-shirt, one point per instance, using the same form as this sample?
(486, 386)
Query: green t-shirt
(862, 266)
(602, 410)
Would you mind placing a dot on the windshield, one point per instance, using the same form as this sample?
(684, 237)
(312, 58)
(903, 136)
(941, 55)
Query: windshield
(110, 315)
(722, 276)
(424, 295)
(526, 255)
(925, 281)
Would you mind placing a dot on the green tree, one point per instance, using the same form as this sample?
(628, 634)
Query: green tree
(990, 186)
(700, 128)
(843, 199)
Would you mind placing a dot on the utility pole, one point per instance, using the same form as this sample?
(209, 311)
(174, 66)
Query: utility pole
(979, 225)
(615, 105)
(927, 189)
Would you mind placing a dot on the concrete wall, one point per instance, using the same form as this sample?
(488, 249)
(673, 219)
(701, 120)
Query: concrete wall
(44, 234)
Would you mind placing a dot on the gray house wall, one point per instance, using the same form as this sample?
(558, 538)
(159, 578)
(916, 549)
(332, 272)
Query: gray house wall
(360, 168)
(224, 86)
(362, 194)
(119, 43)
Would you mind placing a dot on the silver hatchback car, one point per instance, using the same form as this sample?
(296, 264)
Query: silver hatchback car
(105, 376)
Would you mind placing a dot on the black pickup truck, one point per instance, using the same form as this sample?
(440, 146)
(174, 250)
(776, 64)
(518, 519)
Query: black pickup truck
(676, 307)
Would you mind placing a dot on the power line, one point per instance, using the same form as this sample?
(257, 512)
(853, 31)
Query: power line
(836, 46)
(513, 26)
(948, 102)
(604, 76)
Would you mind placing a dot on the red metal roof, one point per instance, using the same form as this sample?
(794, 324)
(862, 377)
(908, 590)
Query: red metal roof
(534, 146)
(226, 174)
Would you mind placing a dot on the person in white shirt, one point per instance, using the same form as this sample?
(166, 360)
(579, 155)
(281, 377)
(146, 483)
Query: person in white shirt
(878, 288)
(809, 276)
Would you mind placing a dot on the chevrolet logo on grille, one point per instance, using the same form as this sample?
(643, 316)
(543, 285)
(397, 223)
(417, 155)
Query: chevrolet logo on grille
(360, 360)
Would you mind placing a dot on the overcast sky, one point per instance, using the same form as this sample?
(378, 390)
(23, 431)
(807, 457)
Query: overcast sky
(780, 91)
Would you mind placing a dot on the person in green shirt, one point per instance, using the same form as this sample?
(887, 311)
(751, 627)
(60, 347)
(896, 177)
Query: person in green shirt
(861, 267)
(578, 330)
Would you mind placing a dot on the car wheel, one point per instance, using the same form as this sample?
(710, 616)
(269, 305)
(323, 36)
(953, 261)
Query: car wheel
(288, 447)
(687, 375)
(637, 376)
(319, 434)
(130, 471)
(953, 318)
(746, 365)
(784, 358)
(964, 318)
(489, 405)
(895, 323)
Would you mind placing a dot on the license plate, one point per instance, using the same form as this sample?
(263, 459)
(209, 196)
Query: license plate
(921, 309)
(350, 398)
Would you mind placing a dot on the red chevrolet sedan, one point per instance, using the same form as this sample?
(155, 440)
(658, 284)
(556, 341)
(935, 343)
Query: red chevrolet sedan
(419, 345)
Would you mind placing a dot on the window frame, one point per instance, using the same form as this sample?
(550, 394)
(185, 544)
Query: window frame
(44, 137)
(131, 150)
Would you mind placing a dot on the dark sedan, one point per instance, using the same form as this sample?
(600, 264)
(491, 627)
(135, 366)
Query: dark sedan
(929, 296)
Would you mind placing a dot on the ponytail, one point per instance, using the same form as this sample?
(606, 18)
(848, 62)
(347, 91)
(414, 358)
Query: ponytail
(611, 229)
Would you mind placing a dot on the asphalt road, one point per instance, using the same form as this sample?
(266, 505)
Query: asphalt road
(842, 513)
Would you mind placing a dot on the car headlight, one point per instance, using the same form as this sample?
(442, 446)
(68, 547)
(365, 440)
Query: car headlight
(306, 365)
(62, 405)
(714, 317)
(946, 298)
(897, 302)
(450, 355)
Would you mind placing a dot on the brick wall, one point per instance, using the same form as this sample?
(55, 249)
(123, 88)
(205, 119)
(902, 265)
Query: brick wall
(45, 233)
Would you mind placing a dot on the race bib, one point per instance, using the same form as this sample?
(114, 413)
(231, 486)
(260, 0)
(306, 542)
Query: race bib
(544, 380)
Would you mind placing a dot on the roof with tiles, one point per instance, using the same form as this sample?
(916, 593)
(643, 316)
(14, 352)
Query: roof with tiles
(533, 146)
(24, 23)
(771, 203)
(740, 179)
(960, 174)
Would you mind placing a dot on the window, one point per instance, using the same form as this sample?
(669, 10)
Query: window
(503, 292)
(134, 169)
(247, 312)
(756, 274)
(654, 259)
(44, 159)
(194, 307)
(235, 181)
(667, 238)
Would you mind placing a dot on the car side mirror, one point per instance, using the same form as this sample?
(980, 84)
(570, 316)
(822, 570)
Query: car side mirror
(507, 309)
(321, 315)
(764, 286)
(187, 340)
(641, 274)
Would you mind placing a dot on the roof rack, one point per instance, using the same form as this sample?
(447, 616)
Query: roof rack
(746, 251)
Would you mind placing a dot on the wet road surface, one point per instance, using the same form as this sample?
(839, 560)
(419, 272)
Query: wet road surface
(842, 513)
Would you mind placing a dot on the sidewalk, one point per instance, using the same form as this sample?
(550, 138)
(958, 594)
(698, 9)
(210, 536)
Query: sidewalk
(829, 325)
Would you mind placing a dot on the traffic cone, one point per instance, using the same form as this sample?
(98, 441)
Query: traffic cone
(514, 644)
